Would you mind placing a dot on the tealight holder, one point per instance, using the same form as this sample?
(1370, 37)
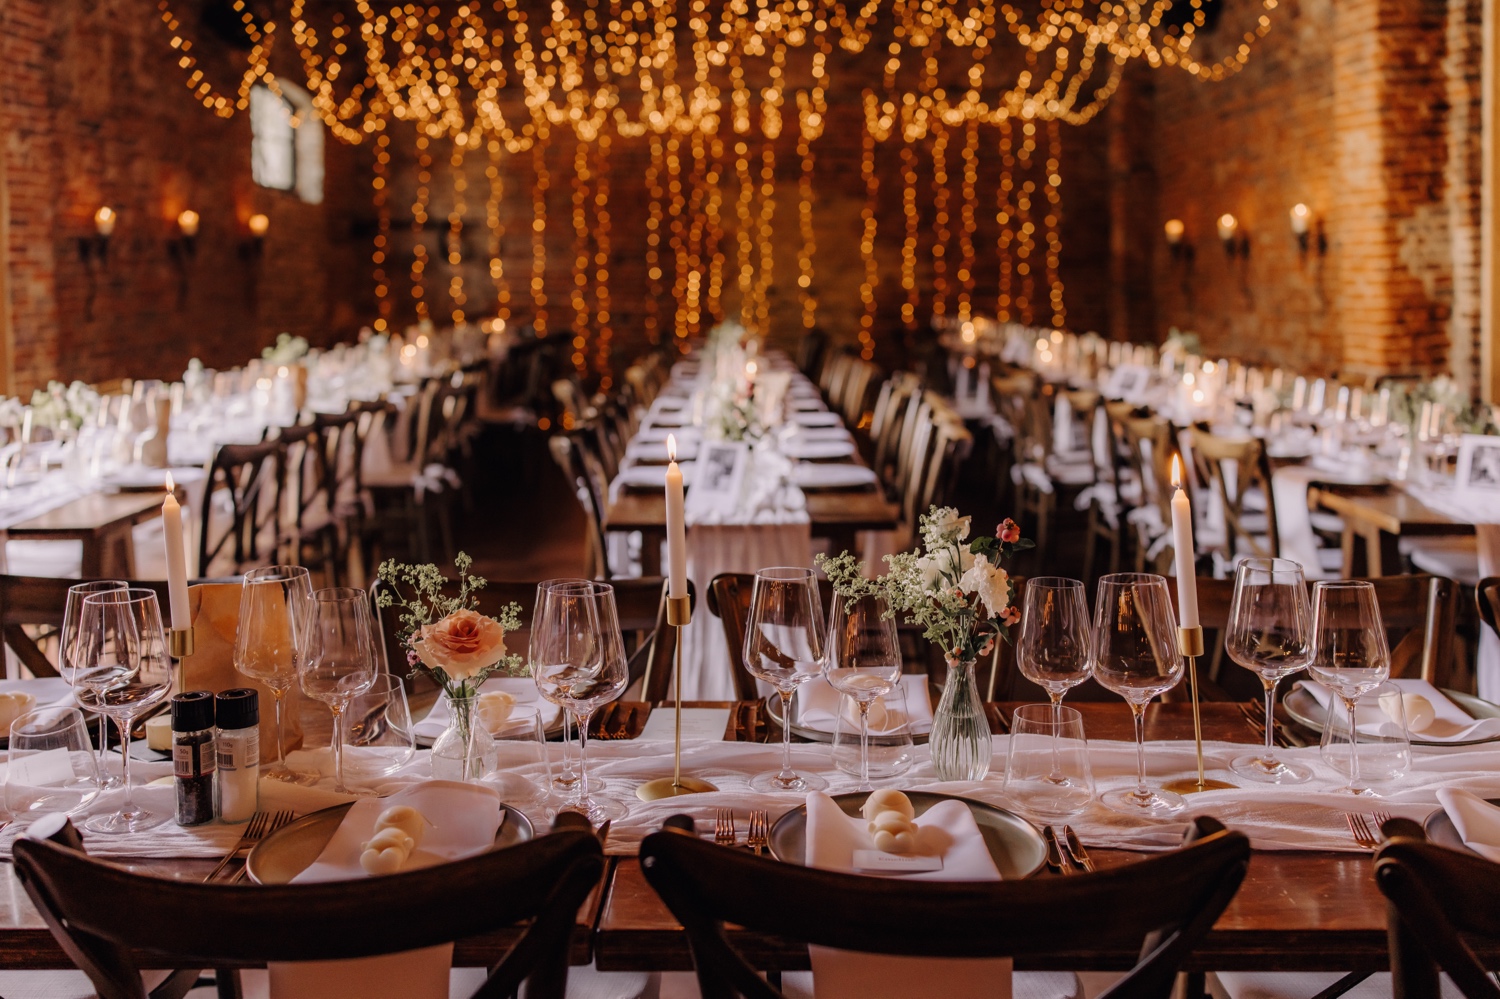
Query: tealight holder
(679, 616)
(179, 647)
(1190, 647)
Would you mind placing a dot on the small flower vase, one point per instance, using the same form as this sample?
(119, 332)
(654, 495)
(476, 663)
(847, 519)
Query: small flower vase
(465, 751)
(960, 740)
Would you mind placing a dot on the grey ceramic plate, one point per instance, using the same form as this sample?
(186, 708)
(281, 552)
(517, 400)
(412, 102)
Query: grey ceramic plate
(773, 709)
(1304, 708)
(1440, 830)
(291, 849)
(1015, 844)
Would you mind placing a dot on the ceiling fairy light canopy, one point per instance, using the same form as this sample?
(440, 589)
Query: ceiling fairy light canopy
(644, 66)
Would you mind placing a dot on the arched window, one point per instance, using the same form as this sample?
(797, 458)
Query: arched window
(286, 141)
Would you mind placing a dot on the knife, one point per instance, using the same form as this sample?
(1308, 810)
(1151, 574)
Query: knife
(1054, 853)
(1079, 853)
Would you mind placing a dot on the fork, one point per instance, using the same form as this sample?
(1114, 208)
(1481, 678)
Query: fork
(1359, 828)
(254, 833)
(724, 834)
(277, 820)
(755, 839)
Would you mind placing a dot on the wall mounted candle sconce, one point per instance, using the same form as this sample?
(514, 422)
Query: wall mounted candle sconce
(182, 249)
(96, 247)
(1307, 230)
(258, 225)
(1236, 243)
(1175, 232)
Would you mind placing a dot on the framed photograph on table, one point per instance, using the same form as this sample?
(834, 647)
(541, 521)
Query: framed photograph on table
(1479, 466)
(718, 475)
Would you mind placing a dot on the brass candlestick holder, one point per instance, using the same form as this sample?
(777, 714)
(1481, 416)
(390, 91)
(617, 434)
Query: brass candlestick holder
(679, 614)
(179, 647)
(1190, 646)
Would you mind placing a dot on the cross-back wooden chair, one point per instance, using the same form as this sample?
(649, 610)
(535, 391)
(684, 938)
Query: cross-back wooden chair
(1149, 449)
(896, 394)
(1160, 907)
(641, 604)
(248, 480)
(31, 612)
(1439, 903)
(309, 534)
(1116, 492)
(112, 922)
(1249, 525)
(584, 478)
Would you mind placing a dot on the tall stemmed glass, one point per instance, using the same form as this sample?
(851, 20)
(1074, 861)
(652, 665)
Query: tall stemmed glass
(340, 661)
(1350, 653)
(864, 660)
(580, 664)
(122, 630)
(784, 647)
(1134, 654)
(86, 678)
(270, 643)
(1053, 648)
(566, 778)
(1270, 633)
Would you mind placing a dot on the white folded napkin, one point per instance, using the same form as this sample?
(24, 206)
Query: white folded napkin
(817, 418)
(819, 705)
(652, 433)
(1477, 821)
(947, 828)
(825, 475)
(522, 688)
(463, 819)
(643, 451)
(814, 450)
(1450, 724)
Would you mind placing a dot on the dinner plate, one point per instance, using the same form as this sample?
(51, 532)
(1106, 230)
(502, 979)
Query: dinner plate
(290, 850)
(773, 710)
(817, 450)
(1305, 710)
(1440, 829)
(817, 418)
(1015, 845)
(821, 476)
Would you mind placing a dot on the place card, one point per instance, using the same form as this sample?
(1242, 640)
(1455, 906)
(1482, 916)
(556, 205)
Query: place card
(698, 725)
(880, 862)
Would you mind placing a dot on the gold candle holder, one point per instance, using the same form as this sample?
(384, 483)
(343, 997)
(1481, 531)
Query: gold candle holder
(679, 615)
(179, 647)
(1190, 647)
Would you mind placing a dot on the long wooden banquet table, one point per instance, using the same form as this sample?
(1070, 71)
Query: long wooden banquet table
(1295, 911)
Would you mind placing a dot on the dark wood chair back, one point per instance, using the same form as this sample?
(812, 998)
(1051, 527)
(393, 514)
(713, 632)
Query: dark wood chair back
(111, 922)
(1159, 908)
(1439, 904)
(583, 472)
(641, 603)
(341, 438)
(250, 476)
(1487, 597)
(31, 612)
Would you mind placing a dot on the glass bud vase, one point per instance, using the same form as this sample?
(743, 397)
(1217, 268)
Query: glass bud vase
(960, 740)
(465, 751)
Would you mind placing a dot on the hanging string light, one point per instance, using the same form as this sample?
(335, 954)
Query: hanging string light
(578, 295)
(1005, 217)
(456, 231)
(539, 184)
(941, 232)
(867, 246)
(909, 243)
(1053, 222)
(418, 226)
(654, 220)
(603, 330)
(380, 182)
(968, 222)
(495, 224)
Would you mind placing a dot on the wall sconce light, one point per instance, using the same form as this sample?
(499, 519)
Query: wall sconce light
(1303, 225)
(183, 248)
(1175, 230)
(258, 225)
(1235, 242)
(96, 247)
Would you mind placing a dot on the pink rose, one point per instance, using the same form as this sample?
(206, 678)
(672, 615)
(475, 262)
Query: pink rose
(461, 644)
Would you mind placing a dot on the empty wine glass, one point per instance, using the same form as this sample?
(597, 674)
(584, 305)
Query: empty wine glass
(1270, 633)
(580, 664)
(1350, 652)
(339, 661)
(50, 766)
(1053, 648)
(270, 643)
(567, 776)
(864, 660)
(1134, 653)
(122, 629)
(784, 646)
(88, 681)
(378, 738)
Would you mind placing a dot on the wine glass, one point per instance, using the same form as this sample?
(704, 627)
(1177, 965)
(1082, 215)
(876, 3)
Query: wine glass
(1134, 654)
(580, 664)
(271, 640)
(50, 766)
(567, 777)
(1350, 652)
(339, 661)
(784, 647)
(864, 660)
(1270, 633)
(122, 630)
(1053, 648)
(72, 668)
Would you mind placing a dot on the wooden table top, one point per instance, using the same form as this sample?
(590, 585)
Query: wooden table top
(1392, 510)
(846, 509)
(96, 513)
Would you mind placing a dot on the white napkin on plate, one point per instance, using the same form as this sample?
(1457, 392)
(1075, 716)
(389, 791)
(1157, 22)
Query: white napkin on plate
(819, 705)
(1477, 821)
(463, 819)
(522, 688)
(949, 827)
(1450, 724)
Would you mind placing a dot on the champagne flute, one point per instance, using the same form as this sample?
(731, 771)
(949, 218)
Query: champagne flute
(567, 778)
(270, 643)
(864, 660)
(784, 646)
(339, 661)
(1350, 653)
(80, 674)
(1270, 633)
(122, 629)
(1134, 654)
(580, 664)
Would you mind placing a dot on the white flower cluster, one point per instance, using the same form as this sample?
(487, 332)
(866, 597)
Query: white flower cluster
(58, 406)
(287, 349)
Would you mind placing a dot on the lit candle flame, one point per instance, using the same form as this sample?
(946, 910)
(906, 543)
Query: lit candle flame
(171, 487)
(671, 447)
(1176, 471)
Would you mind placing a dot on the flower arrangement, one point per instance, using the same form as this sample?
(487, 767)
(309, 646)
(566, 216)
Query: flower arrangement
(287, 349)
(445, 637)
(64, 407)
(953, 585)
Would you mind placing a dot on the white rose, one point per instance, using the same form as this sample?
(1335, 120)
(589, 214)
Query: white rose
(944, 524)
(990, 582)
(937, 569)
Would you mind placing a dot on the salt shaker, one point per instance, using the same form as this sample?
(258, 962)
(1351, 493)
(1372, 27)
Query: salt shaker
(238, 714)
(193, 756)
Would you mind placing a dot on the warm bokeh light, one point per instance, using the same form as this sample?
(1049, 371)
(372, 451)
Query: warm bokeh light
(104, 221)
(259, 225)
(187, 222)
(1175, 229)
